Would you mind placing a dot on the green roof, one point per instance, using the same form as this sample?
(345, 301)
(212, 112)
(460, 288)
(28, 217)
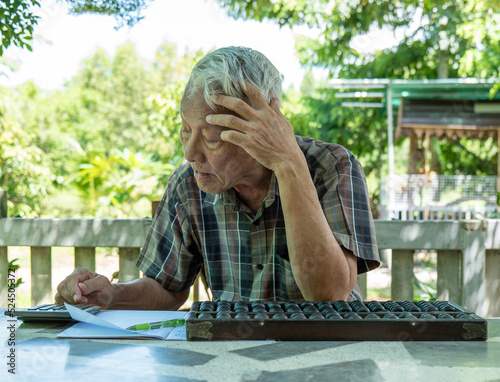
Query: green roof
(451, 88)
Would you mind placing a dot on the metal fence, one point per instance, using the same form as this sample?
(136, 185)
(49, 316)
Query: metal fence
(438, 197)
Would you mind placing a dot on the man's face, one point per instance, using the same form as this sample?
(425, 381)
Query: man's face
(218, 165)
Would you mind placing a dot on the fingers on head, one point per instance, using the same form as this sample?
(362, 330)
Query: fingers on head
(254, 95)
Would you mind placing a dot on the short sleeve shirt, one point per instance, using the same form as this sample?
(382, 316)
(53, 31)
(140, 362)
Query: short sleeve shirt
(244, 255)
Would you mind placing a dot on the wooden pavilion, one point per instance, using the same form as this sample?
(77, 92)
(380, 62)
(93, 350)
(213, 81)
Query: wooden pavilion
(442, 108)
(446, 109)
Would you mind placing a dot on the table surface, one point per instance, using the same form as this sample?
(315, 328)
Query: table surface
(40, 356)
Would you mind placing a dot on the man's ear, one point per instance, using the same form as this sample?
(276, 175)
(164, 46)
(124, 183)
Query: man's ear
(275, 104)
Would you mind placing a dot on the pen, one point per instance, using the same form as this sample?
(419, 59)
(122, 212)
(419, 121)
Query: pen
(159, 324)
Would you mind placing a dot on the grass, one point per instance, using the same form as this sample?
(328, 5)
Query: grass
(378, 294)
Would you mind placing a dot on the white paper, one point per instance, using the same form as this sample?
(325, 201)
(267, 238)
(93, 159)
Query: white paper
(113, 324)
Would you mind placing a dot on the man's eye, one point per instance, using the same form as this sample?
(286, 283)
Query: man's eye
(213, 143)
(213, 136)
(213, 139)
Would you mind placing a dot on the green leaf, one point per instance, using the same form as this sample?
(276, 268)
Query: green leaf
(494, 89)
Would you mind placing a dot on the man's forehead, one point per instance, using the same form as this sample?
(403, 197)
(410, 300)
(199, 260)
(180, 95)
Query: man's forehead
(198, 105)
(193, 101)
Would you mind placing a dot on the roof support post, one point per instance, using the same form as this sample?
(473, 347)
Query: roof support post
(498, 172)
(390, 130)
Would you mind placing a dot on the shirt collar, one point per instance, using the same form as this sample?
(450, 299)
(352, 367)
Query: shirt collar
(273, 191)
(229, 197)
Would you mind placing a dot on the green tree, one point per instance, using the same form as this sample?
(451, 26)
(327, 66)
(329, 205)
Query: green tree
(114, 185)
(17, 22)
(461, 36)
(122, 85)
(18, 19)
(24, 173)
(170, 74)
(111, 135)
(437, 40)
(125, 11)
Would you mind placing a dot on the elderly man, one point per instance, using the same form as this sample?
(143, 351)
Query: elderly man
(265, 214)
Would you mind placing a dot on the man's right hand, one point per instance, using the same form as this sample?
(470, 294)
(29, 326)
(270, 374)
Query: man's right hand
(85, 287)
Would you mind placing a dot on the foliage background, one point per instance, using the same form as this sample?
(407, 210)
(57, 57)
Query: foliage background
(105, 144)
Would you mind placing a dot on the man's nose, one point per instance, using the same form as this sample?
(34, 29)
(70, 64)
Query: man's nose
(193, 149)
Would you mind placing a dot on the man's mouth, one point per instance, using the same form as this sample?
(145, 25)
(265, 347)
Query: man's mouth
(201, 175)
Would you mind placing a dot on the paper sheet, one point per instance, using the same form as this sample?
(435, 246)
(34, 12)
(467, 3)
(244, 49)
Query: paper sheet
(112, 324)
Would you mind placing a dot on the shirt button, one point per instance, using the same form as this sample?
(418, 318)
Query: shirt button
(256, 222)
(260, 267)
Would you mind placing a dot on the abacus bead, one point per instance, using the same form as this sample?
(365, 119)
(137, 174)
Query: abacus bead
(352, 316)
(316, 316)
(242, 316)
(427, 316)
(259, 309)
(426, 306)
(392, 306)
(280, 316)
(409, 306)
(324, 305)
(256, 304)
(376, 306)
(298, 316)
(310, 308)
(329, 310)
(276, 309)
(261, 316)
(205, 316)
(207, 306)
(342, 306)
(445, 316)
(240, 303)
(306, 303)
(407, 316)
(390, 316)
(334, 316)
(358, 306)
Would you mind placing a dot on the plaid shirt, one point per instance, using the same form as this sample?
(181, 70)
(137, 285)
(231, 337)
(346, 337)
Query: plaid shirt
(244, 255)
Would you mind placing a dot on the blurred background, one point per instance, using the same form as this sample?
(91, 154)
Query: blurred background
(90, 90)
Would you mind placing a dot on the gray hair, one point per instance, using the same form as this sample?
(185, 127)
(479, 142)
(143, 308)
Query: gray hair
(225, 70)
